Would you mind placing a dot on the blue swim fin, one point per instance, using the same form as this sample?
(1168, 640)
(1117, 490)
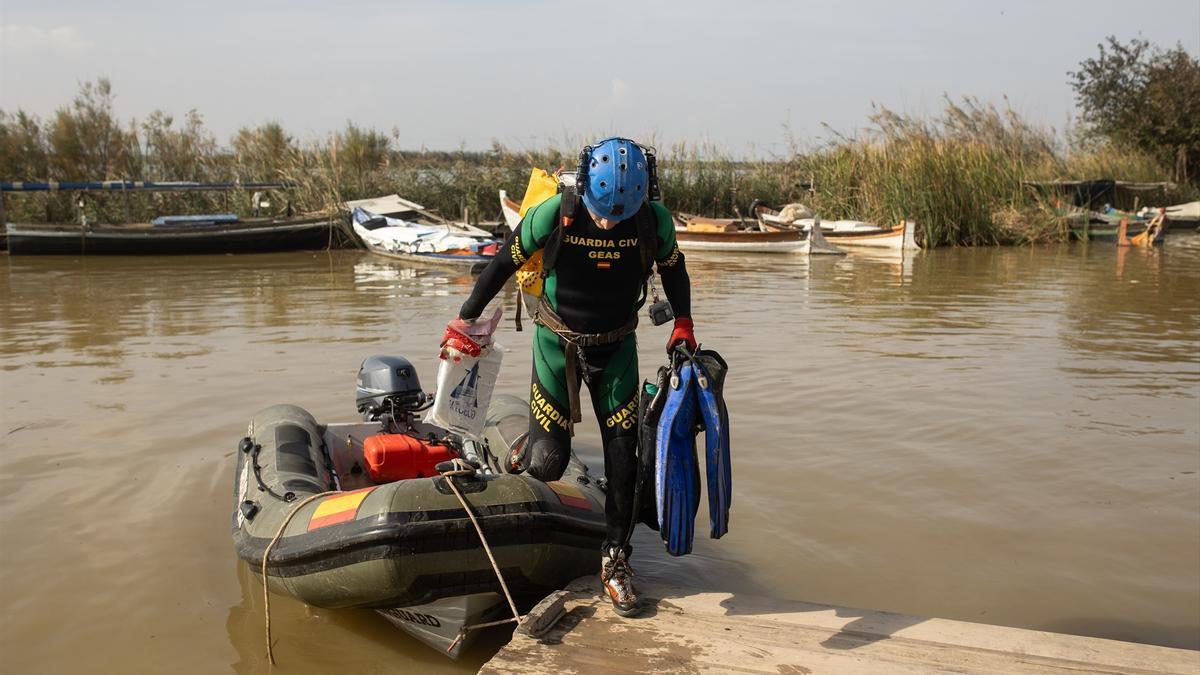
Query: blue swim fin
(677, 477)
(710, 377)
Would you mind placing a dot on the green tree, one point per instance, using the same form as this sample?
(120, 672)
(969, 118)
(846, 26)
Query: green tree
(262, 153)
(184, 152)
(85, 140)
(1137, 95)
(22, 147)
(360, 152)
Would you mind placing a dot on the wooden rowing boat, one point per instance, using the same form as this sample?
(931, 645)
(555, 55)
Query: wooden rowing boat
(167, 234)
(843, 232)
(746, 241)
(254, 235)
(698, 233)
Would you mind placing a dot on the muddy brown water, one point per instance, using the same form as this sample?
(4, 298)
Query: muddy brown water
(1008, 436)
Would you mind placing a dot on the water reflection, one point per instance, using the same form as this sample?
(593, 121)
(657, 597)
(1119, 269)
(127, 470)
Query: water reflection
(313, 640)
(397, 279)
(1132, 326)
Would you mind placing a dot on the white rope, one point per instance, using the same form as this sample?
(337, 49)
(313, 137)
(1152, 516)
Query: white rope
(267, 553)
(463, 469)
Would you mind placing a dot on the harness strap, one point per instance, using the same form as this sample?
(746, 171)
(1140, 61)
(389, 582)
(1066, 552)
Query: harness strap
(566, 216)
(647, 229)
(574, 342)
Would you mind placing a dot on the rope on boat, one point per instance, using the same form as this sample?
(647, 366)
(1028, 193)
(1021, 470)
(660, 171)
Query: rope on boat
(461, 469)
(267, 554)
(464, 469)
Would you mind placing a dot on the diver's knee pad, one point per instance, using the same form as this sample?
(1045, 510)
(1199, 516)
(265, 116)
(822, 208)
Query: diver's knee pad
(546, 459)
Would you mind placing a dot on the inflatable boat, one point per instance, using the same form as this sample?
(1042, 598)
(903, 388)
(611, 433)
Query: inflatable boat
(388, 532)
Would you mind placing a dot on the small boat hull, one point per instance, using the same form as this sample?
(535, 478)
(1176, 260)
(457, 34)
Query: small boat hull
(1184, 214)
(511, 210)
(892, 238)
(1105, 232)
(437, 623)
(844, 232)
(699, 233)
(248, 236)
(421, 243)
(742, 242)
(873, 236)
(464, 261)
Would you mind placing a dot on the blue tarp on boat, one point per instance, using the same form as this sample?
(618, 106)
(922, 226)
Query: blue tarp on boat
(200, 220)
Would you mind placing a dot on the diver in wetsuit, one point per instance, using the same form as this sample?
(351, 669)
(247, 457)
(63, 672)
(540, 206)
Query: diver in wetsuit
(596, 261)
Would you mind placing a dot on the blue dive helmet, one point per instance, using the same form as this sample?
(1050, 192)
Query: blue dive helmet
(617, 178)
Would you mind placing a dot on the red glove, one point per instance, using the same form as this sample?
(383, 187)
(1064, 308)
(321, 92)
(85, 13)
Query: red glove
(682, 333)
(469, 336)
(454, 337)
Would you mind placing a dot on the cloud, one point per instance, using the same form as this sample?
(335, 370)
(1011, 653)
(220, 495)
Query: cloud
(32, 38)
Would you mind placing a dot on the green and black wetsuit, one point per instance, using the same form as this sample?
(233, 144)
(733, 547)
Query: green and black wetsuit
(594, 286)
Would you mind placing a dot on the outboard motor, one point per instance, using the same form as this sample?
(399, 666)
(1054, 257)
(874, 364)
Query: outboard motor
(388, 387)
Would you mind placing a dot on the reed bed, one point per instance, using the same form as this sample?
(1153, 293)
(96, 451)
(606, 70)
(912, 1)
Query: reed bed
(960, 175)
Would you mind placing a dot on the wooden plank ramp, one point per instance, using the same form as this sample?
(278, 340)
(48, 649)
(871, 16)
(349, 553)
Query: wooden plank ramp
(682, 630)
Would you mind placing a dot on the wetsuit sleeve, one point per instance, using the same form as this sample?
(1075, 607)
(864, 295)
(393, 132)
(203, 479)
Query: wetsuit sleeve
(671, 268)
(530, 236)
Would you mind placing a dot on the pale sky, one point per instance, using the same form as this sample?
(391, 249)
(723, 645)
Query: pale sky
(531, 73)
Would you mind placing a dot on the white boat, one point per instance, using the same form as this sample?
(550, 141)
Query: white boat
(442, 244)
(697, 233)
(1181, 214)
(858, 233)
(1189, 212)
(901, 236)
(511, 210)
(395, 206)
(740, 242)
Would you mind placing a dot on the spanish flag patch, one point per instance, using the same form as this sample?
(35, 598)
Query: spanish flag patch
(338, 508)
(603, 265)
(570, 495)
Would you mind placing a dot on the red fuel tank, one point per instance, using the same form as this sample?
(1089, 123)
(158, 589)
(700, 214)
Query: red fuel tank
(393, 457)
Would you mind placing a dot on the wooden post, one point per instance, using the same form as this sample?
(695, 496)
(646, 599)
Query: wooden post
(733, 191)
(1122, 233)
(82, 223)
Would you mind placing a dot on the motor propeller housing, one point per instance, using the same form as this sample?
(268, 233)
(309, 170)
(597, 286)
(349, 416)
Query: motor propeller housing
(388, 384)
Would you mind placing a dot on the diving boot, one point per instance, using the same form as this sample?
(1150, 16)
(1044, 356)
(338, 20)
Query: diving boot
(616, 578)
